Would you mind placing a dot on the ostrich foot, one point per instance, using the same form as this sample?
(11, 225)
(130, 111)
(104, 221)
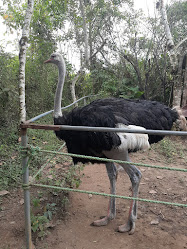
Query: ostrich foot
(101, 222)
(129, 227)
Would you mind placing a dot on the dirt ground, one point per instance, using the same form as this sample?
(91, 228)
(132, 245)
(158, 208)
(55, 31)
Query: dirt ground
(157, 226)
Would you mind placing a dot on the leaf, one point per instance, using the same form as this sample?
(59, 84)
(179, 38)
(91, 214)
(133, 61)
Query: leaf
(155, 222)
(50, 215)
(34, 227)
(160, 177)
(21, 201)
(50, 225)
(58, 166)
(5, 90)
(50, 176)
(4, 192)
(5, 16)
(152, 192)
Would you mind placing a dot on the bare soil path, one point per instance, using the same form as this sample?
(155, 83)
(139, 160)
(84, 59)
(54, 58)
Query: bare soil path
(157, 227)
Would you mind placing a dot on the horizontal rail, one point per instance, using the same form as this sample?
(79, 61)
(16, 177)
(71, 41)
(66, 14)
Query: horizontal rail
(108, 160)
(109, 195)
(26, 125)
(46, 113)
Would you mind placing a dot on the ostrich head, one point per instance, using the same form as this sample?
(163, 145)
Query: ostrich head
(55, 58)
(58, 60)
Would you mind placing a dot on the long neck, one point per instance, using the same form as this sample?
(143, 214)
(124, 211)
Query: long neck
(59, 89)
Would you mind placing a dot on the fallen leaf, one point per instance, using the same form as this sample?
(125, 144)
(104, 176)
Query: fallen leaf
(160, 177)
(58, 166)
(50, 176)
(147, 179)
(32, 245)
(66, 164)
(4, 192)
(31, 178)
(21, 201)
(50, 225)
(152, 192)
(155, 222)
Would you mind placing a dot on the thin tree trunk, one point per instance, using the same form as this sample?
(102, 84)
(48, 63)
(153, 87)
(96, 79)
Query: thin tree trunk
(134, 63)
(178, 89)
(86, 53)
(72, 88)
(184, 97)
(22, 58)
(170, 42)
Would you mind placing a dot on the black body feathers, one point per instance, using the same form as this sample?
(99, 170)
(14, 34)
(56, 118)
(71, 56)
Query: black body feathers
(108, 113)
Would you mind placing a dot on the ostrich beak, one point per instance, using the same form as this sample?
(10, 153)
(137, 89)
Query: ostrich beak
(48, 61)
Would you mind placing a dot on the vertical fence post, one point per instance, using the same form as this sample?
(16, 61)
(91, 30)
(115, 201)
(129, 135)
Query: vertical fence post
(26, 191)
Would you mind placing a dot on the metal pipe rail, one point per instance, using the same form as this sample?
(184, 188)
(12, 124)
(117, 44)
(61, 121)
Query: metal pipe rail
(26, 125)
(65, 107)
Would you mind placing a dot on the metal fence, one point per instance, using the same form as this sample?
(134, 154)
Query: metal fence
(25, 160)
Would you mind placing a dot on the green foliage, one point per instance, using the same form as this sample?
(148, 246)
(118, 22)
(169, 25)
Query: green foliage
(38, 224)
(10, 167)
(132, 92)
(9, 111)
(73, 176)
(168, 149)
(50, 209)
(177, 17)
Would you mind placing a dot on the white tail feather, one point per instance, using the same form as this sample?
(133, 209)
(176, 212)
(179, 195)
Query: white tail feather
(133, 141)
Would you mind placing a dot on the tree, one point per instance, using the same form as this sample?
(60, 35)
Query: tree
(22, 58)
(177, 58)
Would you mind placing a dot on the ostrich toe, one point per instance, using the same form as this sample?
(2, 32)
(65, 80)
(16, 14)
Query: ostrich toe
(129, 227)
(101, 222)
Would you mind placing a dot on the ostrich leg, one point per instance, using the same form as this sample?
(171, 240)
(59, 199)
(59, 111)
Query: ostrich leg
(135, 177)
(112, 174)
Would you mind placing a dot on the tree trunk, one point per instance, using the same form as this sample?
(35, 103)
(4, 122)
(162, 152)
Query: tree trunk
(22, 58)
(86, 53)
(179, 89)
(184, 95)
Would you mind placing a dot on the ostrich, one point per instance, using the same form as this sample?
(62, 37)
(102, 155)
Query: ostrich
(111, 112)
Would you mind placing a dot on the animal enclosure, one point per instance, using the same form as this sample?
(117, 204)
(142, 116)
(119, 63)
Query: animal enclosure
(26, 183)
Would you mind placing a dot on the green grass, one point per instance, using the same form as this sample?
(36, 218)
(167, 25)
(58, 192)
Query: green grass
(171, 149)
(66, 175)
(10, 157)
